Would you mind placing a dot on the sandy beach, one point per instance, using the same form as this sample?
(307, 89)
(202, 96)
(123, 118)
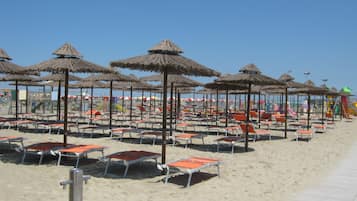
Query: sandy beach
(273, 170)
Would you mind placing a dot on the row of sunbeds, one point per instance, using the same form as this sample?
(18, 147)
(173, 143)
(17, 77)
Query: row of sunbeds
(188, 165)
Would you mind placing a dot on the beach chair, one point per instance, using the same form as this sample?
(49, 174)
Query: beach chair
(187, 138)
(184, 126)
(189, 166)
(154, 135)
(78, 152)
(11, 139)
(256, 132)
(319, 128)
(304, 134)
(119, 132)
(42, 149)
(230, 140)
(128, 158)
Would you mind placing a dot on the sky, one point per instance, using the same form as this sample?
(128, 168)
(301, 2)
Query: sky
(279, 36)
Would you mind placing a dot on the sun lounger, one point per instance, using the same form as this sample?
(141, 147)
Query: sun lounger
(11, 139)
(190, 165)
(184, 126)
(230, 140)
(119, 132)
(78, 152)
(154, 135)
(42, 149)
(18, 123)
(256, 132)
(303, 133)
(319, 128)
(128, 158)
(187, 138)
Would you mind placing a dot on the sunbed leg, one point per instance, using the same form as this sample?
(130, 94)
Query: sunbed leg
(77, 162)
(232, 148)
(41, 158)
(107, 167)
(189, 180)
(126, 170)
(167, 175)
(218, 171)
(154, 141)
(217, 147)
(59, 158)
(23, 157)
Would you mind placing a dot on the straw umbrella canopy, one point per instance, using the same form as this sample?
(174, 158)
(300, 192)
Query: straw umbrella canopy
(289, 84)
(6, 66)
(250, 75)
(90, 84)
(58, 77)
(67, 59)
(136, 84)
(16, 78)
(310, 89)
(175, 81)
(226, 86)
(111, 77)
(165, 58)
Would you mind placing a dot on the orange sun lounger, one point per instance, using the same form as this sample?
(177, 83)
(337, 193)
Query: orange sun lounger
(130, 157)
(256, 132)
(303, 133)
(190, 165)
(11, 139)
(78, 151)
(42, 149)
(187, 138)
(231, 140)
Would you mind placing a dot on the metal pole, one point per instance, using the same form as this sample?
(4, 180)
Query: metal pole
(142, 104)
(27, 99)
(16, 99)
(171, 105)
(308, 111)
(259, 109)
(323, 108)
(131, 103)
(91, 105)
(43, 101)
(59, 101)
(75, 183)
(110, 104)
(226, 108)
(286, 113)
(217, 107)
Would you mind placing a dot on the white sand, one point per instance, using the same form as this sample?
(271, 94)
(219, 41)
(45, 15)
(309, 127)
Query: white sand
(275, 170)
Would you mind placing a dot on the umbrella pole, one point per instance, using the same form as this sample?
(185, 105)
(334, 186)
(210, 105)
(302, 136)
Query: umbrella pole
(59, 101)
(51, 100)
(171, 105)
(122, 101)
(217, 107)
(178, 104)
(80, 102)
(27, 99)
(65, 107)
(43, 101)
(226, 108)
(175, 104)
(149, 102)
(131, 103)
(286, 113)
(235, 102)
(142, 104)
(247, 118)
(239, 101)
(16, 99)
(210, 103)
(323, 108)
(154, 103)
(164, 100)
(308, 111)
(110, 104)
(91, 105)
(297, 107)
(259, 109)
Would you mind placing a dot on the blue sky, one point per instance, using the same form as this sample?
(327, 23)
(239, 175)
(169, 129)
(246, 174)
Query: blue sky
(318, 36)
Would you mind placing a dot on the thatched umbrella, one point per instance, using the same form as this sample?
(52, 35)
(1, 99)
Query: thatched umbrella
(310, 89)
(6, 66)
(16, 78)
(290, 84)
(249, 75)
(28, 84)
(135, 85)
(90, 84)
(67, 59)
(58, 77)
(166, 59)
(225, 86)
(111, 77)
(175, 81)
